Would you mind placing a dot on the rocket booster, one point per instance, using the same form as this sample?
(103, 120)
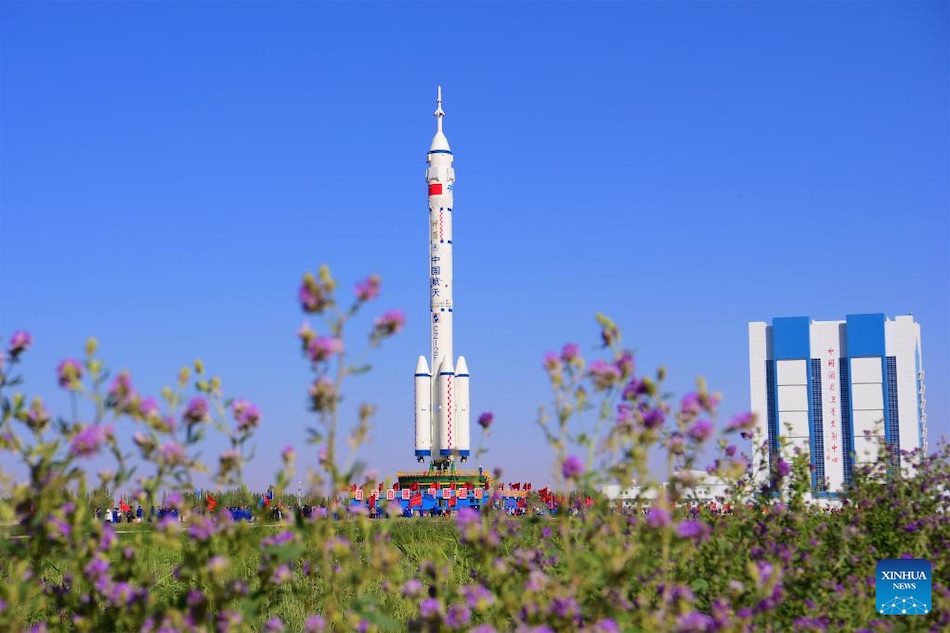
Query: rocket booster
(440, 406)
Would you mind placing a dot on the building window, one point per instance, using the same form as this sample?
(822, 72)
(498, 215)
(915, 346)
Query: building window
(893, 430)
(772, 408)
(772, 404)
(819, 483)
(847, 424)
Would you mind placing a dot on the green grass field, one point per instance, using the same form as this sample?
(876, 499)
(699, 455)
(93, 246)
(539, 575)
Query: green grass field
(417, 540)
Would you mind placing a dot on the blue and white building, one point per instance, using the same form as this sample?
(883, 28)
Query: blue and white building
(825, 385)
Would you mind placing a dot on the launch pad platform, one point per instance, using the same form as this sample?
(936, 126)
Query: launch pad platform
(444, 478)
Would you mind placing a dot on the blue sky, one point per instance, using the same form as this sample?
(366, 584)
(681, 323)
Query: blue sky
(170, 170)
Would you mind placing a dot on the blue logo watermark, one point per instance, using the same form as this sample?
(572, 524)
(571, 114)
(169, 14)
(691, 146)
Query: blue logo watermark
(904, 586)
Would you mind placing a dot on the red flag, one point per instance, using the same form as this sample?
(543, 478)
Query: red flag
(380, 487)
(414, 486)
(452, 486)
(396, 486)
(416, 500)
(435, 189)
(452, 502)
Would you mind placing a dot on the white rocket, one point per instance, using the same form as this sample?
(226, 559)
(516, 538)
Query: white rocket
(442, 397)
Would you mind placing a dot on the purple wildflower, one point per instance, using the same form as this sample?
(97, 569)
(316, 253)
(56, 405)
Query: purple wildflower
(321, 348)
(692, 529)
(634, 389)
(430, 608)
(217, 565)
(368, 289)
(478, 597)
(274, 625)
(322, 394)
(537, 580)
(278, 539)
(653, 419)
(675, 444)
(58, 529)
(194, 597)
(412, 588)
(485, 420)
(19, 343)
(624, 415)
(288, 454)
(281, 574)
(603, 374)
(312, 296)
(606, 626)
(764, 571)
(741, 422)
(196, 411)
(69, 373)
(173, 453)
(89, 440)
(458, 616)
(569, 352)
(229, 619)
(572, 467)
(782, 468)
(247, 415)
(659, 517)
(565, 608)
(625, 364)
(121, 392)
(701, 431)
(201, 528)
(467, 517)
(552, 363)
(695, 622)
(388, 324)
(315, 623)
(148, 407)
(37, 417)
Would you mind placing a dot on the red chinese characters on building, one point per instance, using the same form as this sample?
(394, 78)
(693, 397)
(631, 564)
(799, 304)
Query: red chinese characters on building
(831, 397)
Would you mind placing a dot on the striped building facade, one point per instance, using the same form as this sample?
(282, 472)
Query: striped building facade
(825, 385)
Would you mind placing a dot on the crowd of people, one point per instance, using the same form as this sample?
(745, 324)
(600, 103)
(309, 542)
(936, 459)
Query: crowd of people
(127, 515)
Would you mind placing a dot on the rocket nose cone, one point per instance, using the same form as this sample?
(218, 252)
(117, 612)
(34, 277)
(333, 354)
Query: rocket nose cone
(462, 367)
(439, 142)
(446, 366)
(422, 367)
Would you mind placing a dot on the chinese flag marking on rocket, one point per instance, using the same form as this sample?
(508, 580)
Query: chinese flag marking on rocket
(435, 189)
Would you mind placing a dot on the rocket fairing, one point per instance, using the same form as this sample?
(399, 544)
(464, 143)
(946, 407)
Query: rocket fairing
(441, 397)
